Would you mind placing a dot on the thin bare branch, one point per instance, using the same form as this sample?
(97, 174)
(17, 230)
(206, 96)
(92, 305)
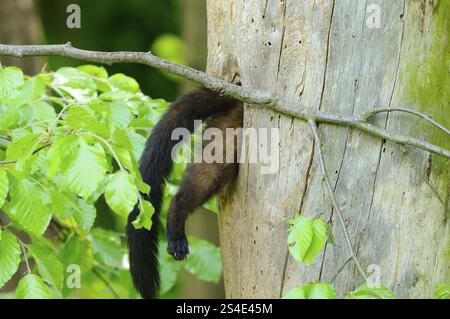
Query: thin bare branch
(334, 202)
(252, 96)
(427, 118)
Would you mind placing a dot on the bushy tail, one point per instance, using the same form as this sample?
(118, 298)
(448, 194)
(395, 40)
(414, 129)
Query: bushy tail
(156, 164)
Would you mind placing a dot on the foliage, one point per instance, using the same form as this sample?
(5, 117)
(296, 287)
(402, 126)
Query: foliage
(315, 290)
(367, 292)
(442, 291)
(73, 138)
(141, 23)
(307, 237)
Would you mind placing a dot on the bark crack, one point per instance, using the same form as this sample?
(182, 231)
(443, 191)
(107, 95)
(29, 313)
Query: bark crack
(353, 112)
(380, 154)
(327, 55)
(308, 172)
(282, 38)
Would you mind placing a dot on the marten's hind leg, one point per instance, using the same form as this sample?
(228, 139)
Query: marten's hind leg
(203, 180)
(200, 182)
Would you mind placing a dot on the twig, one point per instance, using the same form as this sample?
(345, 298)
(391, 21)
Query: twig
(106, 282)
(371, 113)
(334, 202)
(248, 95)
(8, 162)
(108, 145)
(24, 252)
(340, 269)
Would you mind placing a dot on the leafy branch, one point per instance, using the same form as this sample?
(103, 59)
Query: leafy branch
(248, 95)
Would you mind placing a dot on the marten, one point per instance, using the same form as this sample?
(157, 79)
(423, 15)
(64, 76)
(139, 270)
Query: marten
(200, 181)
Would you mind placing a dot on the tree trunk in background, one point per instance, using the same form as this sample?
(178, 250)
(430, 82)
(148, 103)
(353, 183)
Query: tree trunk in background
(203, 223)
(327, 55)
(20, 24)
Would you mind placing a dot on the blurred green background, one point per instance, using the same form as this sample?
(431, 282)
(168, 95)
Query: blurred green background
(132, 25)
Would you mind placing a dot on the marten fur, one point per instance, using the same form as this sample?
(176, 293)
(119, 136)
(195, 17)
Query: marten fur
(200, 182)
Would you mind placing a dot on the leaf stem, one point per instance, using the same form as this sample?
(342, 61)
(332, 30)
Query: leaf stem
(109, 146)
(24, 252)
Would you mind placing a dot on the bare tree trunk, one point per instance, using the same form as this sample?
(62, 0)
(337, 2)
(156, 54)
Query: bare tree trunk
(20, 24)
(333, 56)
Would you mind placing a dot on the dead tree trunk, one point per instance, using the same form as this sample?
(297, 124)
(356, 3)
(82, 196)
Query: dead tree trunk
(341, 56)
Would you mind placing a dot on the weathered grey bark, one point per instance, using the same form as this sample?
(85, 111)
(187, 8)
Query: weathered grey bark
(326, 55)
(20, 24)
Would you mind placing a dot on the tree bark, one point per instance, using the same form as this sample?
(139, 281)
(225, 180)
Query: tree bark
(331, 55)
(20, 24)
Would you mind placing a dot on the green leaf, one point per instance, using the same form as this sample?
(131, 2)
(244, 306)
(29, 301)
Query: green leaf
(96, 71)
(119, 115)
(107, 247)
(366, 292)
(75, 83)
(121, 193)
(87, 168)
(144, 219)
(32, 287)
(29, 206)
(307, 237)
(9, 256)
(300, 237)
(50, 268)
(32, 90)
(204, 260)
(169, 269)
(442, 292)
(61, 154)
(4, 186)
(10, 79)
(78, 250)
(212, 205)
(84, 118)
(138, 144)
(315, 290)
(152, 110)
(38, 112)
(124, 83)
(9, 116)
(84, 214)
(318, 240)
(22, 149)
(73, 212)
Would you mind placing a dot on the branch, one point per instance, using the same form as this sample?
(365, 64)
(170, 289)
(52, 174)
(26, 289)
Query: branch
(248, 95)
(326, 177)
(427, 118)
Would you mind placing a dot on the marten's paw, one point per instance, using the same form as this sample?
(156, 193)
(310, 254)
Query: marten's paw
(178, 248)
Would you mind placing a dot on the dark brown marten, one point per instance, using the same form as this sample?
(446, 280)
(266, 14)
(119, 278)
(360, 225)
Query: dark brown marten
(200, 182)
